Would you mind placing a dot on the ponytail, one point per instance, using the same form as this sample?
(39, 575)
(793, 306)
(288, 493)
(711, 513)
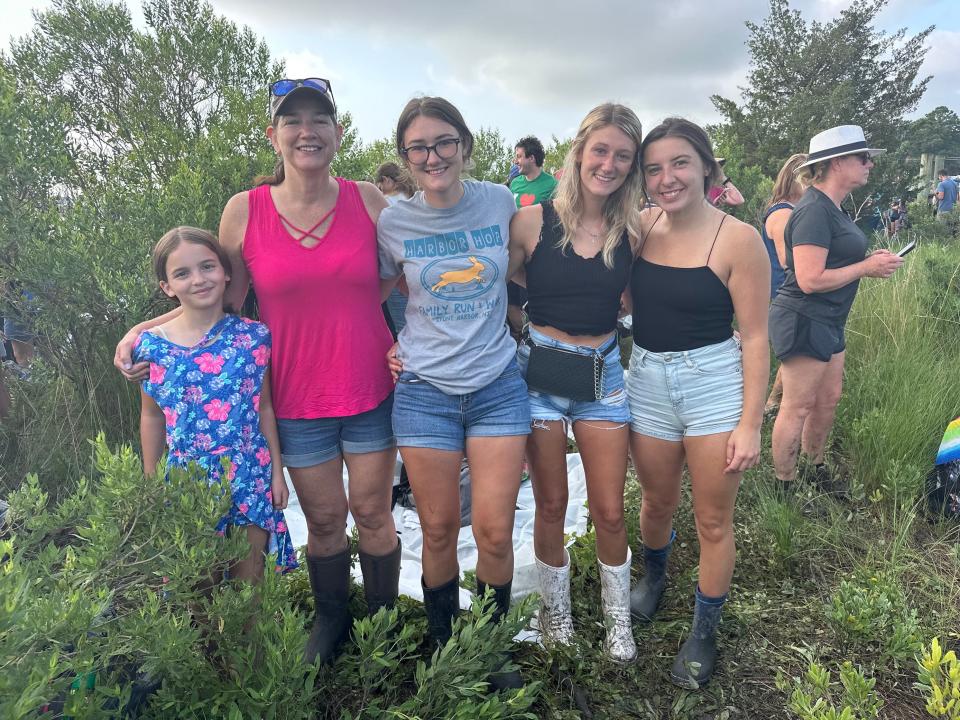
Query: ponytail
(274, 179)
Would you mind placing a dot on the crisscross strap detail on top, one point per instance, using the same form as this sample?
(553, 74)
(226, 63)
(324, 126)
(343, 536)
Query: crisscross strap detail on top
(307, 233)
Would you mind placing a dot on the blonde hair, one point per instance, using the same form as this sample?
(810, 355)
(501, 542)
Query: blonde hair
(621, 210)
(788, 179)
(815, 173)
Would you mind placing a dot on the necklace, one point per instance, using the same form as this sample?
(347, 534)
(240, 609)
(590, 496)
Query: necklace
(594, 235)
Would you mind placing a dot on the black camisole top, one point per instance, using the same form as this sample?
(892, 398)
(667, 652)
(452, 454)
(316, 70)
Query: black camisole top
(679, 308)
(580, 296)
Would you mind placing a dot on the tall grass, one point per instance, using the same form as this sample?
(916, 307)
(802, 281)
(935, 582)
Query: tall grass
(903, 372)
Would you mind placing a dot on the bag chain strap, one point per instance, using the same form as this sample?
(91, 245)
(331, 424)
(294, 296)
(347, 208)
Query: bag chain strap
(598, 368)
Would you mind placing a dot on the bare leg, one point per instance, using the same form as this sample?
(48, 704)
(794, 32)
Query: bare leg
(324, 504)
(23, 352)
(495, 467)
(603, 449)
(659, 464)
(250, 568)
(820, 421)
(714, 496)
(801, 377)
(371, 480)
(435, 480)
(546, 452)
(776, 393)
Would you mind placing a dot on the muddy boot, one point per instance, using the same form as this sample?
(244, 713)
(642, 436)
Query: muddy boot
(619, 645)
(645, 596)
(330, 582)
(441, 604)
(694, 664)
(555, 619)
(511, 679)
(381, 576)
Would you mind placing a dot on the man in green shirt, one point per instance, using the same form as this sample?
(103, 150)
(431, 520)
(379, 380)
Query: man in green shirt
(532, 186)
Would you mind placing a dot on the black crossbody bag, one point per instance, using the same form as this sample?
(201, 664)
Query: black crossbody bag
(566, 373)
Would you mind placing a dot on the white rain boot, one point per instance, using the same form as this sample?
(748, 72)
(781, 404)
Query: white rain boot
(554, 618)
(615, 593)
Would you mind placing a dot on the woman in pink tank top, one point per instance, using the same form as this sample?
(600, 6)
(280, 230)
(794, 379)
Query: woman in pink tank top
(307, 242)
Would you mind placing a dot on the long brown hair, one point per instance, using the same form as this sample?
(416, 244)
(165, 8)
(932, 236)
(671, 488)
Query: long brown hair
(698, 139)
(399, 175)
(788, 182)
(621, 210)
(172, 239)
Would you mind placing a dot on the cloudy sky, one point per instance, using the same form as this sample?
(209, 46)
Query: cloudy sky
(537, 67)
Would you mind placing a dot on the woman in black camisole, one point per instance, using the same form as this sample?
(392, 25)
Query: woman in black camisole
(577, 252)
(695, 397)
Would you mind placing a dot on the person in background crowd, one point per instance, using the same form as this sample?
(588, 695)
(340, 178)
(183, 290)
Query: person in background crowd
(396, 184)
(724, 192)
(530, 186)
(695, 396)
(458, 385)
(826, 257)
(578, 250)
(947, 191)
(787, 191)
(307, 241)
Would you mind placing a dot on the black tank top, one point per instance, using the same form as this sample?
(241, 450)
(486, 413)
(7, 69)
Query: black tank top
(679, 308)
(580, 296)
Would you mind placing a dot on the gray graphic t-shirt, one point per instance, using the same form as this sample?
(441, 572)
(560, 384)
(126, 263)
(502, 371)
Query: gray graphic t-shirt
(455, 263)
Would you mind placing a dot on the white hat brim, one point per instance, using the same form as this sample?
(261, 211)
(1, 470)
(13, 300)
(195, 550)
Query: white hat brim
(873, 153)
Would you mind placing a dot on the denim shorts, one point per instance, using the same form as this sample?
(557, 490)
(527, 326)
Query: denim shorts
(613, 406)
(426, 417)
(311, 441)
(688, 393)
(17, 331)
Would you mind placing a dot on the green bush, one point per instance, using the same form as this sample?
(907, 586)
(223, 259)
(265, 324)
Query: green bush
(816, 696)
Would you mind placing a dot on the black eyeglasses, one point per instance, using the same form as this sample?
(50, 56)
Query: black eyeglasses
(286, 86)
(444, 149)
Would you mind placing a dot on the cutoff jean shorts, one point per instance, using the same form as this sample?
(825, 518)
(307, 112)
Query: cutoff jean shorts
(311, 441)
(612, 406)
(426, 417)
(674, 395)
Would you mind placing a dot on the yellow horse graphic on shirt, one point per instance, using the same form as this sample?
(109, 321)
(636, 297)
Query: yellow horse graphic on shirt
(461, 277)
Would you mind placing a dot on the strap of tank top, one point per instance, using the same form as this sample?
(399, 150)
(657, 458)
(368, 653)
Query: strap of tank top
(643, 240)
(158, 330)
(707, 263)
(775, 207)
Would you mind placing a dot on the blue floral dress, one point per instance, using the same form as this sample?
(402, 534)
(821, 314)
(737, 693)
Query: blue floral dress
(210, 396)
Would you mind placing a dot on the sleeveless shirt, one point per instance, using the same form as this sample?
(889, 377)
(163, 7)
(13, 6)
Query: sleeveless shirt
(322, 305)
(566, 291)
(679, 308)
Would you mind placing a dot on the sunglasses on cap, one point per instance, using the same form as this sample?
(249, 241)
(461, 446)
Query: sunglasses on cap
(279, 88)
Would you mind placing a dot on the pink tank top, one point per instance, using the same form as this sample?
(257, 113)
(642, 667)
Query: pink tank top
(322, 306)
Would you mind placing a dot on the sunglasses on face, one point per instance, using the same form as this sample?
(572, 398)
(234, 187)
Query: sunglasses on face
(863, 157)
(286, 86)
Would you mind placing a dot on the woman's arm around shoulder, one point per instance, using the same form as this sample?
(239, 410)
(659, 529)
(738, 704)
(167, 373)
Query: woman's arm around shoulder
(524, 236)
(233, 228)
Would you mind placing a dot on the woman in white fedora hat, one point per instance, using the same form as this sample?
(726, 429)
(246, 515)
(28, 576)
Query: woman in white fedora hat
(826, 256)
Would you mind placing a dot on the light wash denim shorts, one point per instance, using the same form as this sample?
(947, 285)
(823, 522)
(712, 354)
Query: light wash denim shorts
(426, 417)
(688, 393)
(613, 406)
(311, 441)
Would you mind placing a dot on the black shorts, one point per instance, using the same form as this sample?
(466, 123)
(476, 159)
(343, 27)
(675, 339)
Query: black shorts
(794, 334)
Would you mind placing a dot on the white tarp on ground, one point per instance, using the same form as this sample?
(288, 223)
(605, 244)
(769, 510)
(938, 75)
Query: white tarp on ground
(525, 571)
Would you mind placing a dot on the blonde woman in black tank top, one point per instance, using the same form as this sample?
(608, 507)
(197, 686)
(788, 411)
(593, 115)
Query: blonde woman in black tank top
(693, 399)
(577, 252)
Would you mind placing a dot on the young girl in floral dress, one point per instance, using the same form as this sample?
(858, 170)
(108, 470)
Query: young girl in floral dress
(208, 396)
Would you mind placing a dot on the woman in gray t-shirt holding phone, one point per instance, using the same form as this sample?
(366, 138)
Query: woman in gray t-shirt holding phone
(459, 389)
(826, 257)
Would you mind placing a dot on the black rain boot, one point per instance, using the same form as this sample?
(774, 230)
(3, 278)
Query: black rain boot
(330, 581)
(511, 679)
(694, 664)
(381, 577)
(645, 596)
(441, 604)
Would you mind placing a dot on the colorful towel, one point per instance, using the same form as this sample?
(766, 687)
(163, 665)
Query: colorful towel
(950, 445)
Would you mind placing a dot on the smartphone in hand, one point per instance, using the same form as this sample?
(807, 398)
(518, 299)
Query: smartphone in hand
(907, 249)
